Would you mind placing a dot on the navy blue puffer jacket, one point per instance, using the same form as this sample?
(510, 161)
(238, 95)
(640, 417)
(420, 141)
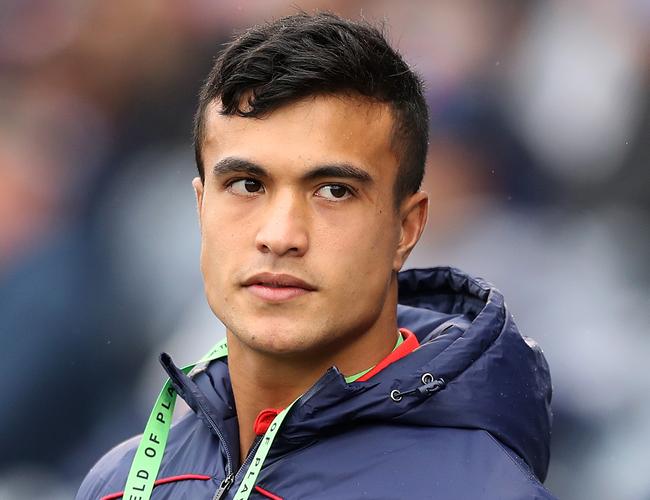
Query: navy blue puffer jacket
(477, 427)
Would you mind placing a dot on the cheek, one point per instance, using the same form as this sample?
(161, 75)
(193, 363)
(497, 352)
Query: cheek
(220, 243)
(362, 249)
(219, 252)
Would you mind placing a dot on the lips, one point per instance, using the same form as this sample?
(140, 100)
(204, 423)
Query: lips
(272, 287)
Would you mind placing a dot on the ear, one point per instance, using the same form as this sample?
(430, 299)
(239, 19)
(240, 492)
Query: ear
(413, 217)
(198, 191)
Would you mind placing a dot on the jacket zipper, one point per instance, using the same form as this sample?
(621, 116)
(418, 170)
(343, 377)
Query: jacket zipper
(219, 434)
(177, 377)
(228, 481)
(224, 486)
(230, 478)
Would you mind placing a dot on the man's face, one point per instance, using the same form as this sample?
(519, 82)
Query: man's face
(300, 237)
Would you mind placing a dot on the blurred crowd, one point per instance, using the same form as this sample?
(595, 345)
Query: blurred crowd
(539, 182)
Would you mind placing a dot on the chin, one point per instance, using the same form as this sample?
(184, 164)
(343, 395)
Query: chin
(277, 339)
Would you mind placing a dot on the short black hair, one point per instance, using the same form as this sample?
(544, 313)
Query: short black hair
(279, 62)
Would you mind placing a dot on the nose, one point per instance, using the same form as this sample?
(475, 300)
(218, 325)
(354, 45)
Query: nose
(283, 230)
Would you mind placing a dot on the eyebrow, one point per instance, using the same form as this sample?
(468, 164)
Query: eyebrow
(338, 170)
(232, 164)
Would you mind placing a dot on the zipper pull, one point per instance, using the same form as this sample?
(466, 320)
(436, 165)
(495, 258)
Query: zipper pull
(224, 487)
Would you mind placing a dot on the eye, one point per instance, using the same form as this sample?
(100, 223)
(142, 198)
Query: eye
(334, 192)
(246, 187)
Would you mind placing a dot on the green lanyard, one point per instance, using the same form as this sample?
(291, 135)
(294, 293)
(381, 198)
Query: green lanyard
(148, 456)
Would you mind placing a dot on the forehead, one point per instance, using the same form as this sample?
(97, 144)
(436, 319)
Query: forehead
(317, 129)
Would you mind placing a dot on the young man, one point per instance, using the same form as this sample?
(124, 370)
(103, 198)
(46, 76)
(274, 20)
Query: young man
(311, 138)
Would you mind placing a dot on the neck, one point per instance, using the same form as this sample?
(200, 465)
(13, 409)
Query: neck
(263, 380)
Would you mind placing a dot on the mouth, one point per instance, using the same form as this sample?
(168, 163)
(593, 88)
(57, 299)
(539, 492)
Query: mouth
(272, 287)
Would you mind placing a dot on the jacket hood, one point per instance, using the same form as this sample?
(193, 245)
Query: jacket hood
(473, 370)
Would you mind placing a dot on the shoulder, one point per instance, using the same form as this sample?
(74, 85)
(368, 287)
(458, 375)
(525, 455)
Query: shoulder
(472, 463)
(109, 473)
(509, 469)
(190, 451)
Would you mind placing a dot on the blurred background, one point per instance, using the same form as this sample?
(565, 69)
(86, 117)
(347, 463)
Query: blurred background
(538, 175)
